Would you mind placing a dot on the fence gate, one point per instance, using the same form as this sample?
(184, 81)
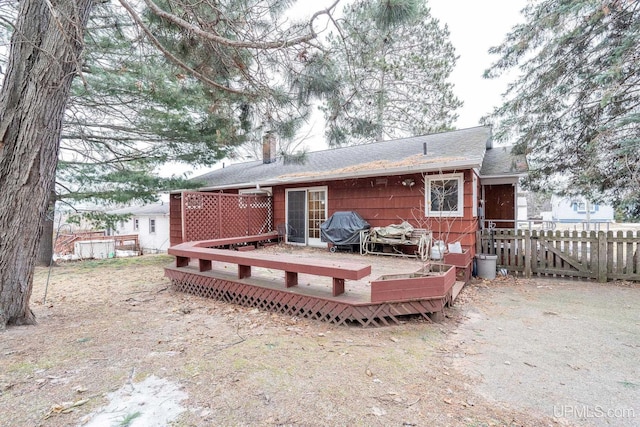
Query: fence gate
(598, 255)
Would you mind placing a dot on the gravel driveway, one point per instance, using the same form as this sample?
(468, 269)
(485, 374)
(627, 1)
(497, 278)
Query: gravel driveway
(566, 349)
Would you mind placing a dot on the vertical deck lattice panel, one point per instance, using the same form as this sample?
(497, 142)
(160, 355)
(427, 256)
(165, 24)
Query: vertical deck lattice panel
(208, 216)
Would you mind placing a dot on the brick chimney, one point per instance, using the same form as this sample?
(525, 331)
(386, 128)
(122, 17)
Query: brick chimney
(269, 147)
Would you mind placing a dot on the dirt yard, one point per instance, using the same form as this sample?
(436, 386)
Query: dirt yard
(115, 346)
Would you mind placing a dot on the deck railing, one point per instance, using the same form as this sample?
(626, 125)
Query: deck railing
(598, 255)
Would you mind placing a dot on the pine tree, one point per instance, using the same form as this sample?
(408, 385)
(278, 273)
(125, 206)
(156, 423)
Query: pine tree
(129, 115)
(390, 75)
(45, 56)
(133, 112)
(574, 109)
(33, 98)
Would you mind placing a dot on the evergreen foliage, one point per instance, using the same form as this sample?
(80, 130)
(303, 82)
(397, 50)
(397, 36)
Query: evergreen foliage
(46, 53)
(133, 112)
(386, 74)
(575, 106)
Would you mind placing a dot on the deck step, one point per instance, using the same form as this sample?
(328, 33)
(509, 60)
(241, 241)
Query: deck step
(457, 287)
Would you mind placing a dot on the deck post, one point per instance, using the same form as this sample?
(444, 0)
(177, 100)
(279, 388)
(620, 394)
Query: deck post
(602, 257)
(338, 286)
(527, 253)
(290, 279)
(182, 261)
(244, 271)
(204, 264)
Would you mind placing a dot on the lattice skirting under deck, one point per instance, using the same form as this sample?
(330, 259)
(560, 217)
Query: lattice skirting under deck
(292, 304)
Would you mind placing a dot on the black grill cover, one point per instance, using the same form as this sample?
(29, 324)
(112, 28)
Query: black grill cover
(343, 228)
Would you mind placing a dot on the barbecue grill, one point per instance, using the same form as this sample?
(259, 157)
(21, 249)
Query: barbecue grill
(342, 229)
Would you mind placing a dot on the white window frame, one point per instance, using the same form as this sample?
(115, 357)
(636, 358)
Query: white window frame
(152, 225)
(581, 207)
(307, 240)
(136, 224)
(474, 199)
(458, 213)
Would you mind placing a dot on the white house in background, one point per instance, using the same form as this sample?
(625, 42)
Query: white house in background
(150, 223)
(579, 209)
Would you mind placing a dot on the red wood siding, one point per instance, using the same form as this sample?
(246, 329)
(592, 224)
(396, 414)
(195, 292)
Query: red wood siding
(175, 219)
(279, 204)
(384, 201)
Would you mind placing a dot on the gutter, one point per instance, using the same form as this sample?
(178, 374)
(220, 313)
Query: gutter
(511, 175)
(460, 164)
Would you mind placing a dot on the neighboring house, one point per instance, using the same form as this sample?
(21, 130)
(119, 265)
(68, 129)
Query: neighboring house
(446, 182)
(150, 223)
(579, 209)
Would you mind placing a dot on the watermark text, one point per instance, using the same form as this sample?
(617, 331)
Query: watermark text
(586, 411)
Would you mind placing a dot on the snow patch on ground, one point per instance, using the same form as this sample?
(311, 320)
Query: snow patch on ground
(152, 402)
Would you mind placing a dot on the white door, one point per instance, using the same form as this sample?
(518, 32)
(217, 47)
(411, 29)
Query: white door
(316, 215)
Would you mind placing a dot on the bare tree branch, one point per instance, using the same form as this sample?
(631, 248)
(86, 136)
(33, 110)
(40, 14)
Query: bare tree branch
(277, 44)
(172, 57)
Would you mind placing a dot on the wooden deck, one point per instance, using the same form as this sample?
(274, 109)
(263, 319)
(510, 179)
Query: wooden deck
(313, 297)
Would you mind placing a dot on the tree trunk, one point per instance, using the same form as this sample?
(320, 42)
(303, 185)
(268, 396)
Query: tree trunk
(45, 247)
(44, 56)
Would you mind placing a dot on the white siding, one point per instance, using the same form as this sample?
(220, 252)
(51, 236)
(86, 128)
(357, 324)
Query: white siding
(566, 209)
(149, 242)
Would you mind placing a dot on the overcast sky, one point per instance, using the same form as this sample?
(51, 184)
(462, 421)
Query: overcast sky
(475, 26)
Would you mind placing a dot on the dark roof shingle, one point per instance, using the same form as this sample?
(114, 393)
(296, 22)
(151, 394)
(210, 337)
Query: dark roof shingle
(463, 148)
(500, 161)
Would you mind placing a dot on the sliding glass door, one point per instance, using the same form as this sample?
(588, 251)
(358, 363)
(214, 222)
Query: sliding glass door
(306, 211)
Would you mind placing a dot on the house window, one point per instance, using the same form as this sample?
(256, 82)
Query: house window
(444, 195)
(306, 210)
(152, 225)
(581, 207)
(136, 224)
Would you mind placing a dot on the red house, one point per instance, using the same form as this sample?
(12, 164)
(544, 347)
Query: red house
(446, 182)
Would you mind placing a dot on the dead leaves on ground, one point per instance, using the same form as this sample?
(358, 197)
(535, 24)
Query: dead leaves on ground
(65, 408)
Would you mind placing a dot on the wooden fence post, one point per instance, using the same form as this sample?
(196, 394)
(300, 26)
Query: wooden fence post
(602, 257)
(527, 253)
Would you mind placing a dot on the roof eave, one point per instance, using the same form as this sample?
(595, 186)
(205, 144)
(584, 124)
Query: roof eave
(461, 164)
(504, 175)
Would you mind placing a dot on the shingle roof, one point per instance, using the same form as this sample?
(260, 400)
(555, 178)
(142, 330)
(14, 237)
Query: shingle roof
(500, 161)
(459, 149)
